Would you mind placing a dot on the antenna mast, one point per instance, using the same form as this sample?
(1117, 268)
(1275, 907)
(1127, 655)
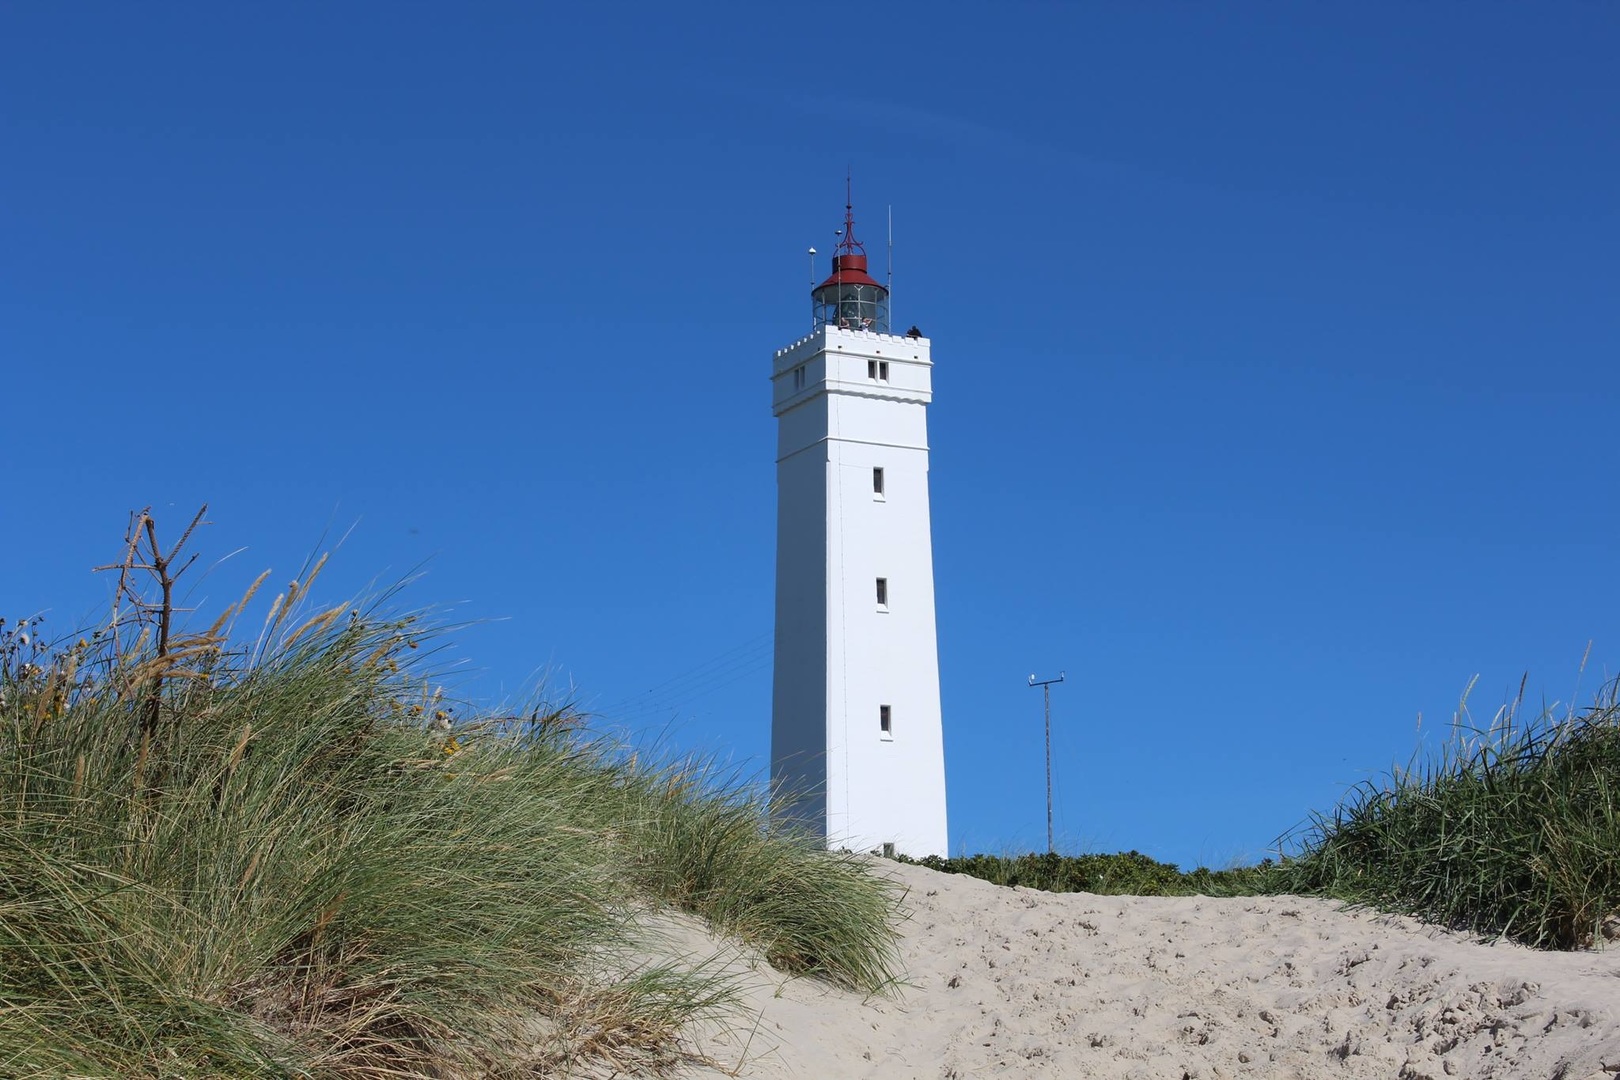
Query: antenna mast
(891, 267)
(1046, 692)
(812, 286)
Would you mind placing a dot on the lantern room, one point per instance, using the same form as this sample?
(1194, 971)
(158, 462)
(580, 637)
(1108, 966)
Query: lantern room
(851, 298)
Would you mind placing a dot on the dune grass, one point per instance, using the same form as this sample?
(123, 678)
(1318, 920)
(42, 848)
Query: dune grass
(279, 858)
(1512, 831)
(700, 845)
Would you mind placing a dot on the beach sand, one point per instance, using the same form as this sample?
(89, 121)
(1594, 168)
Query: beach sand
(1013, 982)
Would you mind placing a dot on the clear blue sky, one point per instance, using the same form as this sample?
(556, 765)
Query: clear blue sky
(1278, 354)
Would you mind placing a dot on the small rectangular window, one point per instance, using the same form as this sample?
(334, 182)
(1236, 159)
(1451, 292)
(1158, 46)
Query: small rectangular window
(798, 377)
(877, 370)
(877, 481)
(883, 592)
(885, 720)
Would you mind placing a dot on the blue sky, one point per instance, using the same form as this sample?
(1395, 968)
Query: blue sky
(1276, 355)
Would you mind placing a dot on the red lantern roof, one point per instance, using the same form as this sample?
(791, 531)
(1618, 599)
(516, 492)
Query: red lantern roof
(849, 257)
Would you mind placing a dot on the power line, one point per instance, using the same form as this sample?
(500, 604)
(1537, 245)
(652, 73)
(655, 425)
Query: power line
(698, 690)
(697, 671)
(703, 692)
(719, 670)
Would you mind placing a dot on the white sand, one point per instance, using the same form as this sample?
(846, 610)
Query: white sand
(1012, 982)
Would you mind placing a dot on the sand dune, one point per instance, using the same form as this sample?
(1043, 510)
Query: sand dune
(1011, 983)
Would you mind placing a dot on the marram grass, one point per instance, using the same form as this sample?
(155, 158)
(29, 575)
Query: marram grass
(294, 872)
(1513, 832)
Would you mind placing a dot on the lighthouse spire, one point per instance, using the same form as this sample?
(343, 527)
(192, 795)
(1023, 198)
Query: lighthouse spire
(848, 245)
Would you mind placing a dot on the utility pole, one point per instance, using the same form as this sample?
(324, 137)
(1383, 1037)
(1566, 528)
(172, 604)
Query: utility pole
(1046, 693)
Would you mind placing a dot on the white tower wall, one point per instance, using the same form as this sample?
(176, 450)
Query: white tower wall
(840, 655)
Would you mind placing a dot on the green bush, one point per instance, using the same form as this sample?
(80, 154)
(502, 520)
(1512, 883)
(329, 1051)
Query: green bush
(1129, 873)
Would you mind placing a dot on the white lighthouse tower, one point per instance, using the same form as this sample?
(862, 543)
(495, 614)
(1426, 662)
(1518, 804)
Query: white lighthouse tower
(857, 749)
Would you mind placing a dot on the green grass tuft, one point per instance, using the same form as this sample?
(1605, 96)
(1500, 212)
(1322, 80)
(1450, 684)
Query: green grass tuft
(808, 910)
(1514, 832)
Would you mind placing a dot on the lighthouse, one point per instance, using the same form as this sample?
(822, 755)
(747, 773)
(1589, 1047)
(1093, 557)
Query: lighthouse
(857, 748)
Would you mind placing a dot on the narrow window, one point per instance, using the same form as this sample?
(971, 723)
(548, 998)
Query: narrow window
(885, 720)
(883, 371)
(877, 480)
(798, 377)
(883, 594)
